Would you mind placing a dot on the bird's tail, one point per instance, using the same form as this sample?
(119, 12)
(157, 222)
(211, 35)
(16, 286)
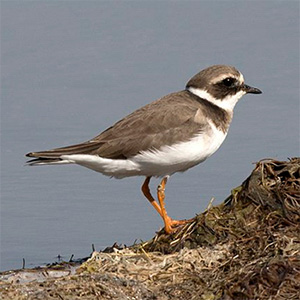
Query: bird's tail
(53, 156)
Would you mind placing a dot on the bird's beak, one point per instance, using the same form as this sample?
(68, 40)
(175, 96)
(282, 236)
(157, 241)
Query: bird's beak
(251, 90)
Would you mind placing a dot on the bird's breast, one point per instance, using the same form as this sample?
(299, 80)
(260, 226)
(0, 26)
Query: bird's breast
(182, 155)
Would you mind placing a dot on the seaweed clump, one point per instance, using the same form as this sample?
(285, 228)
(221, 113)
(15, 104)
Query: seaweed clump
(245, 248)
(259, 227)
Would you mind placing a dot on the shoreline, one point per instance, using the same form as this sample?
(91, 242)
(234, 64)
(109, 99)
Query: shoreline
(248, 247)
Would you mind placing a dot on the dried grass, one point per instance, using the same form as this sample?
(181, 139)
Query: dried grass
(246, 248)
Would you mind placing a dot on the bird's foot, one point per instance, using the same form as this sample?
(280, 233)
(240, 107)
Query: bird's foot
(172, 226)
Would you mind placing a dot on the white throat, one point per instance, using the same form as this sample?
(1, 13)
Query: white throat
(227, 103)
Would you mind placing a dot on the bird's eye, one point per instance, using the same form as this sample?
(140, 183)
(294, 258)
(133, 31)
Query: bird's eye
(229, 81)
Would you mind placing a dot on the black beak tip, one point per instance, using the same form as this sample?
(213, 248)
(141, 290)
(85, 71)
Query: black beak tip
(256, 91)
(252, 90)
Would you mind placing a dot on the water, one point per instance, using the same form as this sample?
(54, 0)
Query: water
(71, 69)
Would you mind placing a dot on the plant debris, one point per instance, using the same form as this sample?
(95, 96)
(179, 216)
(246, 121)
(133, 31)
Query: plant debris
(245, 248)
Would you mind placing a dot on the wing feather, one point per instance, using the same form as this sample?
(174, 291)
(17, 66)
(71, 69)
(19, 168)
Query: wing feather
(147, 128)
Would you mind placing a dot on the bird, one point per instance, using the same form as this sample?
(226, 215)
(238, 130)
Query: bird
(169, 135)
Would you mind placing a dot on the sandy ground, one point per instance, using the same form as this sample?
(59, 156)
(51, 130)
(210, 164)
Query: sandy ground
(246, 248)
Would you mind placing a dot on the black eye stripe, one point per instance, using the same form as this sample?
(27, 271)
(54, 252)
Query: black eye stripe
(229, 81)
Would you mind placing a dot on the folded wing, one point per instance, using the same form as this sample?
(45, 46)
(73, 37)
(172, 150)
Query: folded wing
(147, 128)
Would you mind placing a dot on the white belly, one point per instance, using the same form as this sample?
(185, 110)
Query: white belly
(165, 161)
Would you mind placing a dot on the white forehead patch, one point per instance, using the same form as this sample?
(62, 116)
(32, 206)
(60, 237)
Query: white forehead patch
(241, 79)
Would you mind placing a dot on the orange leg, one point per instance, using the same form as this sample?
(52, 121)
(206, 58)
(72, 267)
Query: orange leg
(161, 199)
(169, 223)
(147, 194)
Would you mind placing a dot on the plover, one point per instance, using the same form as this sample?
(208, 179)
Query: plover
(169, 135)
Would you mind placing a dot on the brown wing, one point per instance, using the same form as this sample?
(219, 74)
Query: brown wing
(161, 122)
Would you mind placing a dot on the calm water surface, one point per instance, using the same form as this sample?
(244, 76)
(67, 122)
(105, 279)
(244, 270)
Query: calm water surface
(71, 69)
